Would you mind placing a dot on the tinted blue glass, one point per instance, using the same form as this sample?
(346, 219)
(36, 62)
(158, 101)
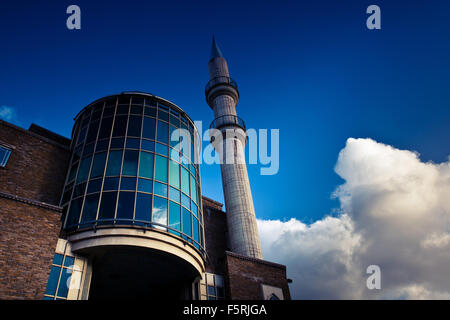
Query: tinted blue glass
(62, 288)
(150, 112)
(174, 137)
(146, 165)
(162, 149)
(102, 145)
(161, 164)
(133, 143)
(187, 228)
(105, 129)
(128, 183)
(130, 163)
(107, 205)
(111, 184)
(163, 132)
(88, 149)
(79, 189)
(159, 214)
(195, 229)
(163, 115)
(174, 120)
(83, 172)
(98, 166)
(174, 216)
(136, 109)
(58, 259)
(134, 126)
(174, 194)
(114, 163)
(126, 205)
(143, 207)
(148, 145)
(148, 131)
(92, 132)
(185, 201)
(120, 125)
(117, 143)
(69, 261)
(53, 280)
(94, 185)
(174, 155)
(194, 209)
(90, 208)
(74, 212)
(160, 189)
(145, 185)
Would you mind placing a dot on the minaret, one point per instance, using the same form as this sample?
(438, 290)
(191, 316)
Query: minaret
(222, 96)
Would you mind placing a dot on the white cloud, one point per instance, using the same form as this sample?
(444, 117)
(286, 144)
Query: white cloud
(7, 113)
(395, 213)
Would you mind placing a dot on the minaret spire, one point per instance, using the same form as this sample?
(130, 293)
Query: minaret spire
(229, 141)
(215, 50)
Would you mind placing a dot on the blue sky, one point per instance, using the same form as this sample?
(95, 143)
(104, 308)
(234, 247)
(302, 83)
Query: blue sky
(309, 68)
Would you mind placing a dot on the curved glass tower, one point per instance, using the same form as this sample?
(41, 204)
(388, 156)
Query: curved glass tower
(134, 168)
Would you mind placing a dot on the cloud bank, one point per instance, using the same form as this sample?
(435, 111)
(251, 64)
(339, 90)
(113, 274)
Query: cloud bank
(395, 213)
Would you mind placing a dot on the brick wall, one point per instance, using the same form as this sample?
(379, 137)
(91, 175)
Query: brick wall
(28, 236)
(37, 166)
(30, 188)
(245, 276)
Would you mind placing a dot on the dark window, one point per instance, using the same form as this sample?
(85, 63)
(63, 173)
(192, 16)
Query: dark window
(163, 115)
(145, 185)
(107, 206)
(126, 205)
(163, 132)
(117, 143)
(53, 280)
(94, 186)
(133, 143)
(74, 213)
(128, 183)
(83, 172)
(149, 128)
(120, 126)
(134, 126)
(4, 155)
(90, 208)
(69, 261)
(136, 109)
(111, 184)
(62, 288)
(130, 163)
(148, 145)
(98, 166)
(105, 129)
(143, 207)
(92, 133)
(114, 163)
(102, 145)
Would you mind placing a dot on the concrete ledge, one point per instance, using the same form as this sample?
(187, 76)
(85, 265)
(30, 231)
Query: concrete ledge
(152, 239)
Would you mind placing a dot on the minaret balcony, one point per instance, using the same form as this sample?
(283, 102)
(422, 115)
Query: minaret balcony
(217, 81)
(227, 121)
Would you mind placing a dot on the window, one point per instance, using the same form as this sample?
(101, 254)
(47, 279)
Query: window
(160, 168)
(143, 207)
(159, 214)
(146, 165)
(130, 162)
(60, 277)
(174, 217)
(114, 163)
(125, 206)
(211, 287)
(4, 155)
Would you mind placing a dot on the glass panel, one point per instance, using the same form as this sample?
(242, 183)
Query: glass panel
(150, 112)
(160, 168)
(92, 132)
(58, 259)
(109, 111)
(111, 184)
(174, 120)
(133, 143)
(159, 214)
(136, 109)
(162, 149)
(73, 171)
(130, 163)
(211, 291)
(98, 166)
(88, 149)
(128, 183)
(195, 229)
(174, 216)
(161, 189)
(79, 190)
(174, 171)
(53, 280)
(94, 186)
(148, 130)
(114, 163)
(187, 228)
(105, 128)
(193, 188)
(134, 126)
(64, 282)
(126, 205)
(69, 261)
(90, 208)
(74, 213)
(146, 165)
(174, 194)
(102, 145)
(185, 201)
(163, 132)
(148, 145)
(83, 172)
(145, 185)
(107, 206)
(174, 137)
(120, 125)
(143, 207)
(163, 115)
(194, 209)
(117, 143)
(184, 180)
(122, 109)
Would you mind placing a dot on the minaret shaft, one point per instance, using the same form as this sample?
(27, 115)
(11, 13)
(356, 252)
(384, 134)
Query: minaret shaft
(222, 96)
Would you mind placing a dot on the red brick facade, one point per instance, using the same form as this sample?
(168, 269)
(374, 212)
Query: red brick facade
(30, 189)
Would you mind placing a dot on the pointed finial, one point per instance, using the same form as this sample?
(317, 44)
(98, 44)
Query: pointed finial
(215, 51)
